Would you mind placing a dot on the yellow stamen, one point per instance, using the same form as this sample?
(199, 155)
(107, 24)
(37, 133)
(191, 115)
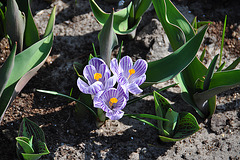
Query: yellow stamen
(97, 76)
(112, 100)
(131, 72)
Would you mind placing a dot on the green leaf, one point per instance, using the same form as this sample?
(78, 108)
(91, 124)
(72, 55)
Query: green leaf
(161, 107)
(119, 55)
(146, 116)
(51, 23)
(186, 126)
(222, 43)
(26, 65)
(28, 129)
(168, 67)
(233, 65)
(42, 151)
(221, 67)
(142, 8)
(25, 143)
(177, 28)
(120, 23)
(6, 69)
(209, 73)
(144, 121)
(66, 96)
(138, 98)
(221, 81)
(202, 55)
(31, 33)
(172, 117)
(15, 24)
(107, 40)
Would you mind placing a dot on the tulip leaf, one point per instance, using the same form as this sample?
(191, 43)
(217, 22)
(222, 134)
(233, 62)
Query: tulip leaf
(107, 40)
(26, 144)
(6, 69)
(168, 67)
(209, 73)
(161, 108)
(169, 126)
(26, 65)
(31, 130)
(186, 126)
(15, 24)
(120, 22)
(142, 8)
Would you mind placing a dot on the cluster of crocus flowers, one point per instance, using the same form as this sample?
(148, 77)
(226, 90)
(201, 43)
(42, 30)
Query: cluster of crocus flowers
(99, 82)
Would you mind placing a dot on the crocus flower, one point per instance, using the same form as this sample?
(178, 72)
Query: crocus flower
(111, 101)
(98, 77)
(129, 75)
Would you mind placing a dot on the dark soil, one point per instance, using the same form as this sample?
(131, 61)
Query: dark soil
(71, 135)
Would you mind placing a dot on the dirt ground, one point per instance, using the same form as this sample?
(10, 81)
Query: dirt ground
(71, 135)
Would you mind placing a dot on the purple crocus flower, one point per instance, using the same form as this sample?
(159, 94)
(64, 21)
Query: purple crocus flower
(112, 101)
(129, 75)
(98, 77)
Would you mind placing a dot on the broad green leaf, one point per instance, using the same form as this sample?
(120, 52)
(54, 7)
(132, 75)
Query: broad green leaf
(107, 40)
(6, 69)
(31, 33)
(120, 23)
(177, 28)
(161, 107)
(142, 8)
(28, 129)
(186, 126)
(44, 151)
(172, 117)
(51, 22)
(15, 24)
(24, 142)
(221, 81)
(146, 116)
(168, 67)
(26, 65)
(209, 73)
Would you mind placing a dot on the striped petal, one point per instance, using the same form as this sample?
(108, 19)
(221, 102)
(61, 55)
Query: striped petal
(114, 66)
(115, 115)
(140, 80)
(96, 62)
(103, 69)
(89, 72)
(110, 82)
(99, 103)
(95, 88)
(82, 86)
(140, 67)
(126, 64)
(134, 89)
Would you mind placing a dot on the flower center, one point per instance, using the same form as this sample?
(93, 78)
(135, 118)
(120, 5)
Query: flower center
(131, 72)
(97, 76)
(112, 101)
